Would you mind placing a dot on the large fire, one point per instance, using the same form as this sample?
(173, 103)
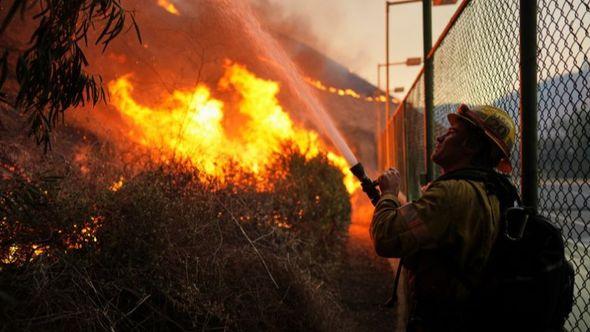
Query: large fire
(193, 125)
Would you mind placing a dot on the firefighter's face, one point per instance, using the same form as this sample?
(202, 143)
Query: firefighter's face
(450, 147)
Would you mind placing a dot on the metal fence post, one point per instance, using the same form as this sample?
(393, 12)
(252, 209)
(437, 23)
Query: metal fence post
(428, 87)
(528, 101)
(387, 101)
(378, 131)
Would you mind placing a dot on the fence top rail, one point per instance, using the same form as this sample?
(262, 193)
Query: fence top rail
(448, 28)
(403, 101)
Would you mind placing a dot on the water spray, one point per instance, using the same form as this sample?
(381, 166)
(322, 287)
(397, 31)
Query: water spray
(242, 11)
(294, 79)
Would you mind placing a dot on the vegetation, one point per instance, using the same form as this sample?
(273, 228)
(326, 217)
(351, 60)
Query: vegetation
(50, 68)
(172, 250)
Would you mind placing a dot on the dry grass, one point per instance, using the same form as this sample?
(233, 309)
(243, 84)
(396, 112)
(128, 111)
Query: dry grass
(171, 251)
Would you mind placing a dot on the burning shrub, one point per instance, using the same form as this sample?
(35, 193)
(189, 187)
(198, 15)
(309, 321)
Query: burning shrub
(31, 220)
(171, 249)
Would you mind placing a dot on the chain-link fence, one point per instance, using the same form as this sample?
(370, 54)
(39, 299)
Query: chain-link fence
(404, 137)
(564, 134)
(477, 62)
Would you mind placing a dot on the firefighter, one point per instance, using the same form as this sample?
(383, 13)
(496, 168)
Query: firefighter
(445, 237)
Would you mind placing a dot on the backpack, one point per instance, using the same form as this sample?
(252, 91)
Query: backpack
(527, 285)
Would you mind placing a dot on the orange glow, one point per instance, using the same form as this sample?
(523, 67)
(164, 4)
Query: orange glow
(215, 136)
(117, 185)
(346, 92)
(168, 6)
(85, 233)
(341, 92)
(118, 58)
(360, 220)
(11, 258)
(9, 171)
(81, 159)
(37, 250)
(14, 251)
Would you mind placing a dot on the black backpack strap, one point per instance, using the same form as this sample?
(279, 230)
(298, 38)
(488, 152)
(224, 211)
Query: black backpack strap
(495, 183)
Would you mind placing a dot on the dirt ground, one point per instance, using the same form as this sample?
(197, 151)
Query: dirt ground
(366, 280)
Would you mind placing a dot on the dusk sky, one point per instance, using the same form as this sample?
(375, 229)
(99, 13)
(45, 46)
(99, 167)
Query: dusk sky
(352, 32)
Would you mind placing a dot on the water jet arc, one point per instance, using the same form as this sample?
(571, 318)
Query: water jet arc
(272, 50)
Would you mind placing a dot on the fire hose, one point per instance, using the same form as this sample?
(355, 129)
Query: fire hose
(370, 188)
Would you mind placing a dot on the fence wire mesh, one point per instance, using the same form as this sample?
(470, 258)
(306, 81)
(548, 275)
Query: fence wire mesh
(405, 129)
(415, 140)
(564, 135)
(477, 62)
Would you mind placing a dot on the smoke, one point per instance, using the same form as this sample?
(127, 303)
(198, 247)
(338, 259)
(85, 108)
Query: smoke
(279, 20)
(332, 31)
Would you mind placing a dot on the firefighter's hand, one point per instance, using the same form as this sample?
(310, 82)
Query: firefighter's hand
(389, 182)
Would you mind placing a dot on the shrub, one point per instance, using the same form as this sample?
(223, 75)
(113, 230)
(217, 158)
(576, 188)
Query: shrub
(173, 250)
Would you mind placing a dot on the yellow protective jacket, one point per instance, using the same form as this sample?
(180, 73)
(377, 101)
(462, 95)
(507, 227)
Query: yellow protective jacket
(444, 238)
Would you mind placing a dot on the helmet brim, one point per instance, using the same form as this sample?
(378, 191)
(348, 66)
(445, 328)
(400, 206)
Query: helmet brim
(504, 166)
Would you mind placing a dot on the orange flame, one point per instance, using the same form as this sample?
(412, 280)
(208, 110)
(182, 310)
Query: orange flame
(117, 184)
(193, 125)
(346, 92)
(341, 92)
(168, 6)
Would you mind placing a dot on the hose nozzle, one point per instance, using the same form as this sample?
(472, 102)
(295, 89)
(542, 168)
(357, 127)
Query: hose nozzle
(368, 185)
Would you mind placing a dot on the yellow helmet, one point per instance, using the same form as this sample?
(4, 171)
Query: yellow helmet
(496, 124)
